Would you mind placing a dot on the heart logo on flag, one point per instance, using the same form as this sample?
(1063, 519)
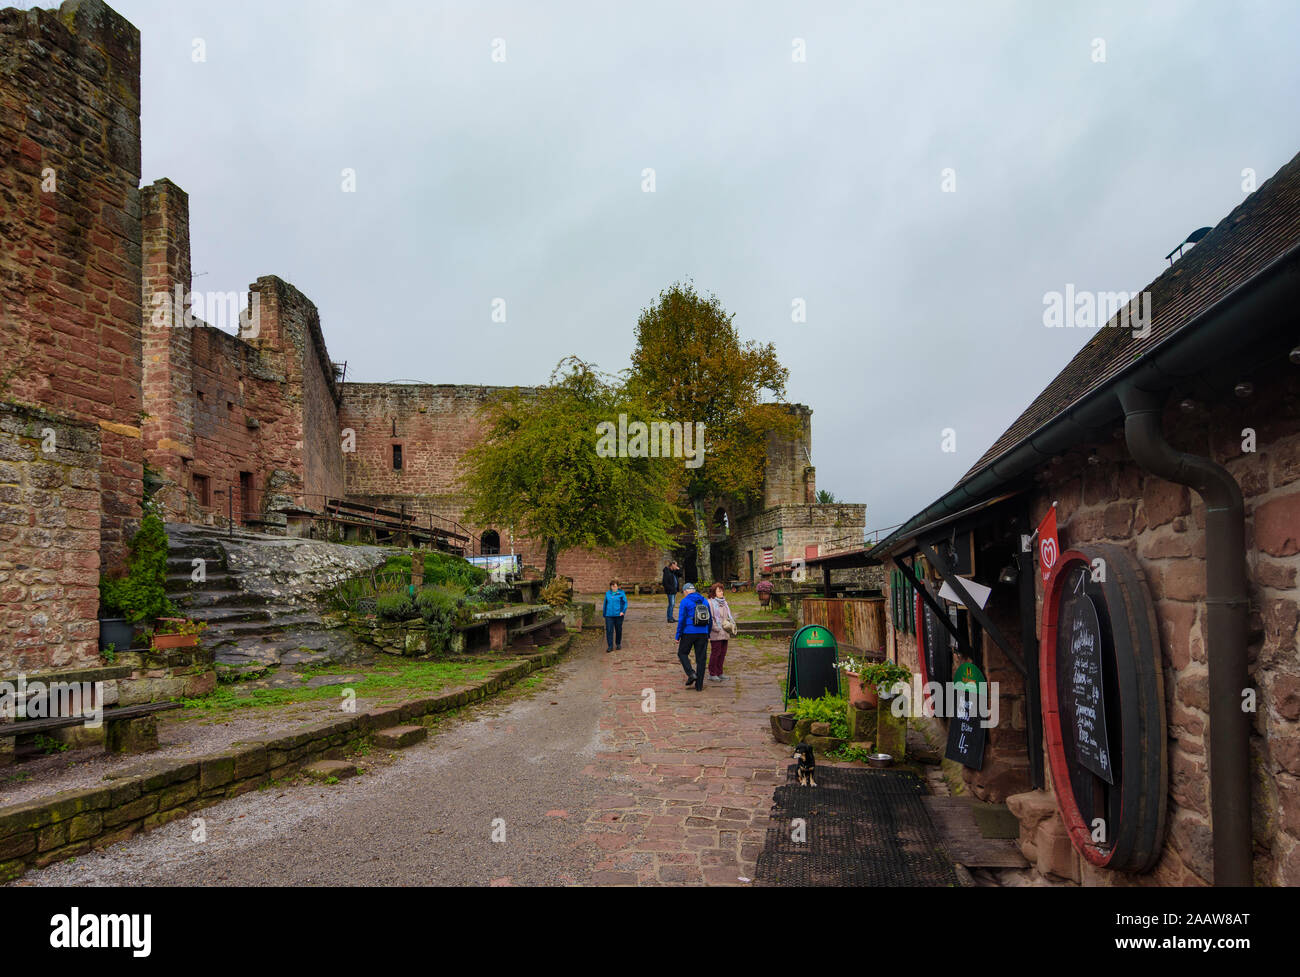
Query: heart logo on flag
(1047, 553)
(1048, 548)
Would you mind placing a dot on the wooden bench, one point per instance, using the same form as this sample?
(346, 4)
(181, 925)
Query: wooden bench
(552, 626)
(119, 734)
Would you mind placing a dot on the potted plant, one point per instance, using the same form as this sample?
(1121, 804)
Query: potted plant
(883, 676)
(861, 694)
(140, 593)
(176, 632)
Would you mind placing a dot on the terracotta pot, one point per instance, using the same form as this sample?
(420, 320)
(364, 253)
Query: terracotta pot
(161, 641)
(860, 697)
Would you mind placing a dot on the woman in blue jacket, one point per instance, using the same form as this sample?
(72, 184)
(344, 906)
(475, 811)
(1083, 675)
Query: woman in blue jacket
(615, 608)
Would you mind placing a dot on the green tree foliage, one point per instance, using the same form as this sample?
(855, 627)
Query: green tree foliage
(538, 470)
(825, 498)
(141, 594)
(692, 365)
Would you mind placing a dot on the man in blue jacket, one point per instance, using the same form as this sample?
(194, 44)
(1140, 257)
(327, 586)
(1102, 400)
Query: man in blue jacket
(694, 620)
(615, 609)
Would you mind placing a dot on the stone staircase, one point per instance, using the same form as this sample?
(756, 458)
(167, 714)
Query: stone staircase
(246, 631)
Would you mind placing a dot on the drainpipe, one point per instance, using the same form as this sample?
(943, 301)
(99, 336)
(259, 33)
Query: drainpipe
(1226, 610)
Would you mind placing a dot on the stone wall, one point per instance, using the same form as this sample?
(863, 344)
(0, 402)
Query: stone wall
(49, 542)
(70, 225)
(262, 404)
(800, 526)
(435, 424)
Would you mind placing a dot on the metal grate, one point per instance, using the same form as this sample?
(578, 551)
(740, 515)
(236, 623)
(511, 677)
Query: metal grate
(862, 827)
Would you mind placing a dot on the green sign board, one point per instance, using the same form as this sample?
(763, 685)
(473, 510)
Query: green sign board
(968, 678)
(811, 672)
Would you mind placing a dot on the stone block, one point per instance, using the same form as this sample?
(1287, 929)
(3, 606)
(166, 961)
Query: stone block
(399, 737)
(216, 771)
(331, 769)
(139, 735)
(862, 724)
(1056, 855)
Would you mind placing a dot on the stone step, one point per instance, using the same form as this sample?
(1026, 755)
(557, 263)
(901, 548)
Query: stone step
(331, 770)
(197, 598)
(397, 737)
(178, 582)
(226, 629)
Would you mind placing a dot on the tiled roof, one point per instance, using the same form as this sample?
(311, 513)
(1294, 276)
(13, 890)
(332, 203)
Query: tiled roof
(1262, 228)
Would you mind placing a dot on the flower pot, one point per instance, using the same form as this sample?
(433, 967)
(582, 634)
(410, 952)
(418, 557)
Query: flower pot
(115, 631)
(860, 697)
(161, 641)
(786, 721)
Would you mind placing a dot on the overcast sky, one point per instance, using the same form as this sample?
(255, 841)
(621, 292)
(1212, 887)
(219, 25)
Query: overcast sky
(775, 180)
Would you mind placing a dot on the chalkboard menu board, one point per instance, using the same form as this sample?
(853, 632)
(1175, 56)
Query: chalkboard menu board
(966, 735)
(1079, 682)
(811, 670)
(938, 649)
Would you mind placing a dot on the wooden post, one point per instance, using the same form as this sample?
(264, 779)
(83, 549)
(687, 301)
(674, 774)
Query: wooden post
(417, 571)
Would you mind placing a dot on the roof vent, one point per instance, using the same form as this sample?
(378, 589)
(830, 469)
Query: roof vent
(1192, 238)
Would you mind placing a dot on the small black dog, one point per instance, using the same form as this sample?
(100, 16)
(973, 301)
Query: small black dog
(807, 765)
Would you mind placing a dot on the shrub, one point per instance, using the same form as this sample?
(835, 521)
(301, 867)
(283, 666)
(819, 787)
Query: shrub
(141, 594)
(557, 593)
(828, 709)
(439, 569)
(440, 613)
(488, 592)
(396, 606)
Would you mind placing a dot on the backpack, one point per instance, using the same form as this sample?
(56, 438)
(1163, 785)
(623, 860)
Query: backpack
(700, 617)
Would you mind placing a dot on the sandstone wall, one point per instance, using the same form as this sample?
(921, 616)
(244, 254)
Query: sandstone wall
(435, 424)
(262, 404)
(70, 225)
(49, 542)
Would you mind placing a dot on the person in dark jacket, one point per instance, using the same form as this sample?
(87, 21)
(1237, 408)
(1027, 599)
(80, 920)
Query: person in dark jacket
(615, 611)
(672, 583)
(693, 635)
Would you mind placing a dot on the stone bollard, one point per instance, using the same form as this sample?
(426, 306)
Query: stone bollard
(891, 731)
(862, 723)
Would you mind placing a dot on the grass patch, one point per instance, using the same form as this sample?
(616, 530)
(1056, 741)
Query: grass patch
(385, 681)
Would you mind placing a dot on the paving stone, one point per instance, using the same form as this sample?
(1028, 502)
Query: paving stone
(398, 737)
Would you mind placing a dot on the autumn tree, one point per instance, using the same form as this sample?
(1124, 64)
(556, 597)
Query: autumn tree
(692, 365)
(539, 471)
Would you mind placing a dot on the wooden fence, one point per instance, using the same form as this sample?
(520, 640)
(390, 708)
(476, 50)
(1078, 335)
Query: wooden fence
(856, 621)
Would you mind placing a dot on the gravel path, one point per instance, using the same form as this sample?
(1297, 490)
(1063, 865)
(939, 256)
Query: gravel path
(426, 818)
(193, 736)
(588, 787)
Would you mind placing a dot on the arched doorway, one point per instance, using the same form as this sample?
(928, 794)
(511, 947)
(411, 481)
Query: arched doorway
(489, 543)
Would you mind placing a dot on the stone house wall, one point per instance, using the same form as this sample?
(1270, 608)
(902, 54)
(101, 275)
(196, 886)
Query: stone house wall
(1103, 496)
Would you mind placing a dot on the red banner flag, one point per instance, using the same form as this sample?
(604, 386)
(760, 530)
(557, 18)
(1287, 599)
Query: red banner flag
(1049, 550)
